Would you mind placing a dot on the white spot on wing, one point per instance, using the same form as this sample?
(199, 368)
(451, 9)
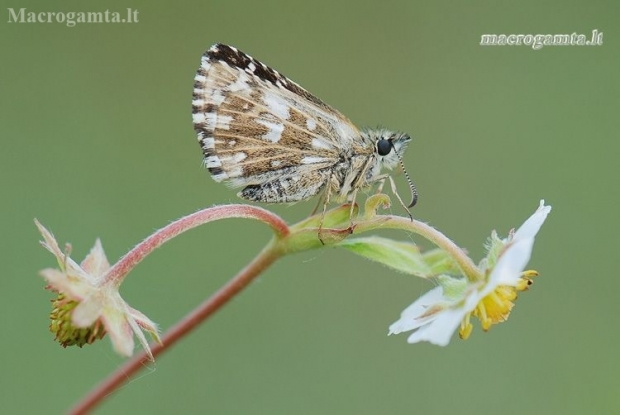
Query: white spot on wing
(313, 160)
(219, 177)
(213, 161)
(276, 163)
(208, 142)
(233, 159)
(217, 97)
(321, 144)
(240, 84)
(311, 124)
(277, 105)
(210, 120)
(346, 131)
(237, 171)
(223, 122)
(275, 130)
(198, 118)
(285, 185)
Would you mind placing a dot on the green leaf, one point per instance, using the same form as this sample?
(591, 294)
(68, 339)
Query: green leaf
(401, 256)
(440, 262)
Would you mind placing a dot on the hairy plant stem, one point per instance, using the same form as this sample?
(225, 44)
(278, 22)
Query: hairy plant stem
(118, 271)
(261, 262)
(287, 240)
(469, 269)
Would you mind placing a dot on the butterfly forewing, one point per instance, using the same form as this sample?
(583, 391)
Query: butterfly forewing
(260, 130)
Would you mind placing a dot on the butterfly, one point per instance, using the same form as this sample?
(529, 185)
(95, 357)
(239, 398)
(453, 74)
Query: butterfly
(260, 131)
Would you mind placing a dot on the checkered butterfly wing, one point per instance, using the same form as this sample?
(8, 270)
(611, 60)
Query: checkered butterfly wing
(260, 130)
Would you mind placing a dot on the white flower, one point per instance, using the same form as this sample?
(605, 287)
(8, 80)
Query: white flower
(89, 304)
(437, 314)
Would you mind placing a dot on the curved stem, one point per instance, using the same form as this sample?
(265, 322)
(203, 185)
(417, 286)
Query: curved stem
(286, 241)
(470, 270)
(261, 262)
(119, 270)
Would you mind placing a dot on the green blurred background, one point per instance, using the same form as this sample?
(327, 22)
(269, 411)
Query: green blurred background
(97, 141)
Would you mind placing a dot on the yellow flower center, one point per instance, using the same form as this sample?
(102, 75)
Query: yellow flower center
(62, 326)
(496, 306)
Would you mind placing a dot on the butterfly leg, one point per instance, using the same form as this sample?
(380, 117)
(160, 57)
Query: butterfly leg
(381, 179)
(320, 201)
(353, 196)
(325, 197)
(331, 186)
(380, 186)
(393, 186)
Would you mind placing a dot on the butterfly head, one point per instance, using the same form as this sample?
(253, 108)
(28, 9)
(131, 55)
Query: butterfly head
(389, 148)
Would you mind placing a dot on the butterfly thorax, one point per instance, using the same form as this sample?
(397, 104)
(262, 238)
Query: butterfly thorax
(362, 165)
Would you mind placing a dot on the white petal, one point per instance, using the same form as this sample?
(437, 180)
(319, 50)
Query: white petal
(440, 330)
(144, 322)
(64, 261)
(119, 331)
(410, 317)
(49, 241)
(96, 262)
(87, 312)
(532, 225)
(75, 288)
(511, 264)
(140, 335)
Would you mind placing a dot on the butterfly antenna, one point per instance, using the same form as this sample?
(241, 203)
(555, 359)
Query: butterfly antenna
(414, 191)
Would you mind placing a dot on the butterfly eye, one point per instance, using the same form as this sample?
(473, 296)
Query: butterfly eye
(384, 147)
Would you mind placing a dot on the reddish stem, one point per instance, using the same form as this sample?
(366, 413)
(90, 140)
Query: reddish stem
(144, 248)
(177, 332)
